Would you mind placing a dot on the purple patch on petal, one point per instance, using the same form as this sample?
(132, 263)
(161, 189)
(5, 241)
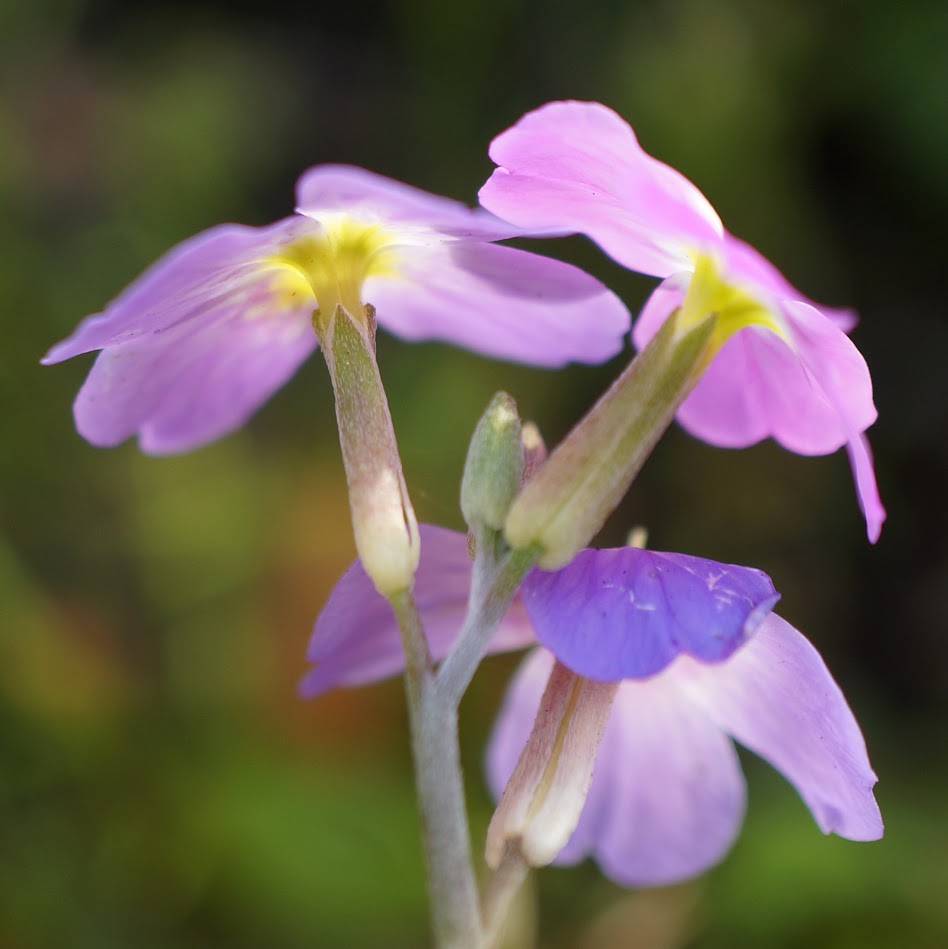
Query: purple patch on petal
(627, 613)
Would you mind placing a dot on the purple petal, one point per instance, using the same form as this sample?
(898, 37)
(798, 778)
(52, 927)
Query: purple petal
(777, 697)
(627, 613)
(356, 640)
(196, 382)
(415, 216)
(667, 796)
(501, 302)
(578, 165)
(207, 272)
(195, 344)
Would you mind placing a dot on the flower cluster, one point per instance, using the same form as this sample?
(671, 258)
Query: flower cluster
(616, 739)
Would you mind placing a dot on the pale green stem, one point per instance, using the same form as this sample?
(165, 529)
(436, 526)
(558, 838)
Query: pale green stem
(495, 585)
(500, 890)
(439, 779)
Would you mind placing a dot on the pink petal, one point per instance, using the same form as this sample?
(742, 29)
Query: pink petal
(413, 215)
(837, 367)
(578, 165)
(500, 302)
(757, 387)
(860, 457)
(812, 396)
(667, 796)
(777, 697)
(356, 640)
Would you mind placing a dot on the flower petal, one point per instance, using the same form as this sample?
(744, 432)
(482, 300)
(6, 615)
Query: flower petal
(578, 165)
(416, 216)
(667, 795)
(777, 697)
(627, 613)
(757, 387)
(196, 382)
(214, 269)
(811, 392)
(860, 458)
(501, 302)
(356, 640)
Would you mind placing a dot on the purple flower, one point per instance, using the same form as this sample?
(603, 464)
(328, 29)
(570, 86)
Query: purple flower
(667, 794)
(793, 375)
(193, 346)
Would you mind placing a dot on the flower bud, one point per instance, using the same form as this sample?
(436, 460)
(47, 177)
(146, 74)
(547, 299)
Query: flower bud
(383, 521)
(494, 465)
(544, 797)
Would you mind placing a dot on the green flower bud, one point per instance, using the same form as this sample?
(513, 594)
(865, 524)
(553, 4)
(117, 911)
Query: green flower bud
(494, 466)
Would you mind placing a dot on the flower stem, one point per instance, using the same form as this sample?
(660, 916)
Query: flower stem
(433, 716)
(500, 890)
(495, 583)
(439, 779)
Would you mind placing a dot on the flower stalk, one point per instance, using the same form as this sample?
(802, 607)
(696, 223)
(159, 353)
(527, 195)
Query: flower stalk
(452, 889)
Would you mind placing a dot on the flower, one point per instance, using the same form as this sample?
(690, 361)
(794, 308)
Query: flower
(193, 346)
(699, 660)
(794, 376)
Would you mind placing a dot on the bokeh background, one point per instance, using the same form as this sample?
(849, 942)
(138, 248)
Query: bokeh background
(161, 785)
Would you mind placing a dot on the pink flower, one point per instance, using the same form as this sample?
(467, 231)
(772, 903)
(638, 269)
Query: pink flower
(794, 375)
(193, 346)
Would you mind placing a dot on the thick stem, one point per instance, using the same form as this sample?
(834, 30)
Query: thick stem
(439, 779)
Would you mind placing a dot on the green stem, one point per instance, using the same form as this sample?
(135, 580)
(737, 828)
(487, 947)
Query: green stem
(440, 783)
(500, 890)
(494, 587)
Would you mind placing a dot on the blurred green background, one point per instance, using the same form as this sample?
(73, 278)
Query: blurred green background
(160, 783)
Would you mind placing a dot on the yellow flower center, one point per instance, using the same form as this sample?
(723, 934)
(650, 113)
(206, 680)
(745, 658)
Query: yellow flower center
(711, 296)
(332, 265)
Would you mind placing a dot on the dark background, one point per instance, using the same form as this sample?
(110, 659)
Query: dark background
(160, 783)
